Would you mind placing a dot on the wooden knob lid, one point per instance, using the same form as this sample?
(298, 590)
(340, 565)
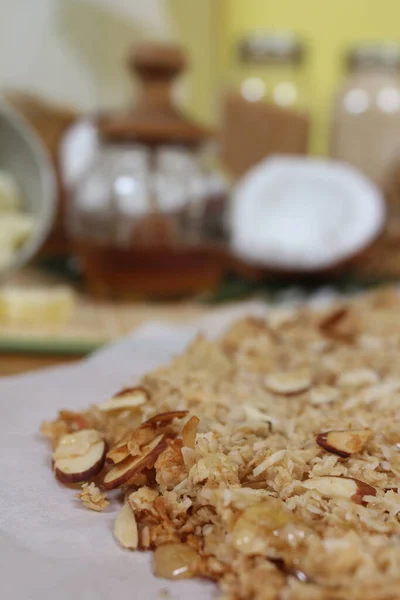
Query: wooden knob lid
(155, 120)
(157, 61)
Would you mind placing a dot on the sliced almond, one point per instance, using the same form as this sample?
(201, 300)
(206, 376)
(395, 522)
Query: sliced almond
(122, 472)
(357, 378)
(118, 454)
(166, 417)
(255, 485)
(125, 528)
(332, 317)
(290, 382)
(130, 444)
(189, 432)
(255, 414)
(378, 392)
(76, 444)
(340, 487)
(339, 323)
(344, 443)
(125, 399)
(79, 456)
(323, 394)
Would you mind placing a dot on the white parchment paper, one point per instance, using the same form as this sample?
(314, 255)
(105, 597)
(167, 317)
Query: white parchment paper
(50, 546)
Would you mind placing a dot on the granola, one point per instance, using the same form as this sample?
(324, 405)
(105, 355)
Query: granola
(92, 497)
(268, 461)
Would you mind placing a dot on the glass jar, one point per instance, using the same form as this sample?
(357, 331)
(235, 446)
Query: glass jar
(366, 114)
(147, 217)
(265, 108)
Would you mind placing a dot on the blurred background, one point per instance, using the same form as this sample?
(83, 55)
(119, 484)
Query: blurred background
(74, 51)
(160, 156)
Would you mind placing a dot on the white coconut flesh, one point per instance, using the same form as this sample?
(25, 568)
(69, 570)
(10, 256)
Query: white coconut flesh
(304, 214)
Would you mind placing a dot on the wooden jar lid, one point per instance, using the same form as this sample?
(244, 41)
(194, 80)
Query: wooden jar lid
(155, 119)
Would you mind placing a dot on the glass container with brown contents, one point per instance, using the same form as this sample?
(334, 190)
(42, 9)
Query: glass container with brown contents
(147, 218)
(265, 108)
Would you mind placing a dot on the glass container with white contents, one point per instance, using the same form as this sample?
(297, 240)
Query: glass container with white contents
(265, 107)
(366, 114)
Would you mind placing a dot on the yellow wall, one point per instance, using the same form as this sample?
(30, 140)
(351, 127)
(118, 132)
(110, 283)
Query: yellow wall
(195, 24)
(328, 25)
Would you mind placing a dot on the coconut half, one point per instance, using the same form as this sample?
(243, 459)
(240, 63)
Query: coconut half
(304, 214)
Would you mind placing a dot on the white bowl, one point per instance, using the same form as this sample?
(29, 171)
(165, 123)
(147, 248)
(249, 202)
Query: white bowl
(23, 155)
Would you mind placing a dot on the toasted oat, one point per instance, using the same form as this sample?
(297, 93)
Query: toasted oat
(323, 394)
(92, 497)
(289, 488)
(357, 378)
(53, 431)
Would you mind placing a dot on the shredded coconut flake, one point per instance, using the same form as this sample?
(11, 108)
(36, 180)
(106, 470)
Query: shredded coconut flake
(236, 505)
(92, 497)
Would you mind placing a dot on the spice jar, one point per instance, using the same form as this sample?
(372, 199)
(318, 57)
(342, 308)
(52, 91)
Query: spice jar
(147, 217)
(265, 108)
(366, 116)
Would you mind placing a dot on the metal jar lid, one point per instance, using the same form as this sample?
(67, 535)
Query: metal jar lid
(271, 47)
(374, 55)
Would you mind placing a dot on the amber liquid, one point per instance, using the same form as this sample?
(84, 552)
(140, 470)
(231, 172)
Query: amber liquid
(156, 271)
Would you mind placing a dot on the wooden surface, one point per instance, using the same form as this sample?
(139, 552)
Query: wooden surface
(97, 323)
(112, 323)
(13, 364)
(93, 324)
